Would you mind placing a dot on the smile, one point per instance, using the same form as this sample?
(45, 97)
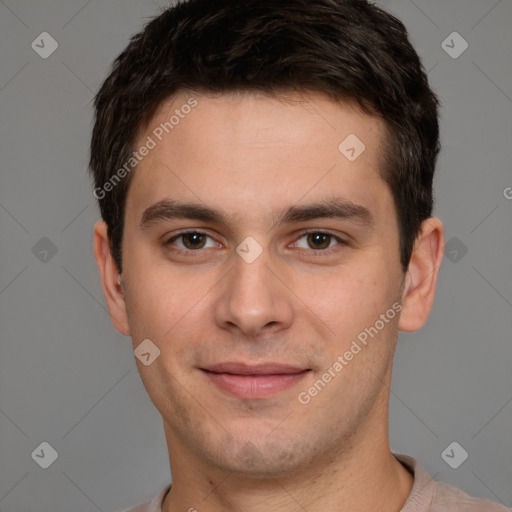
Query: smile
(260, 381)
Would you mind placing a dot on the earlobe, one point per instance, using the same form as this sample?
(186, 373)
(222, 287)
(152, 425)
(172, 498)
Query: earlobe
(421, 278)
(112, 284)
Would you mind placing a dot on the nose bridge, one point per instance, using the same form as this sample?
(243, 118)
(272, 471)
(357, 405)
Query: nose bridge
(250, 284)
(252, 298)
(251, 263)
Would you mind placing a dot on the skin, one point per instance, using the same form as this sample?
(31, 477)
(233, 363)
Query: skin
(251, 156)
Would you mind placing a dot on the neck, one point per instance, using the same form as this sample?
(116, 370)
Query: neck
(364, 477)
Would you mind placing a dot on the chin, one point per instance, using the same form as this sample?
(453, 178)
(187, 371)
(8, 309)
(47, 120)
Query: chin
(270, 460)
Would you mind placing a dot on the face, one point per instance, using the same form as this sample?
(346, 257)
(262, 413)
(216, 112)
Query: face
(256, 256)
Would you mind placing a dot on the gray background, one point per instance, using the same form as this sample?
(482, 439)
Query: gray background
(68, 378)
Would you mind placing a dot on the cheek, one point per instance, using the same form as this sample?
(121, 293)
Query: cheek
(348, 299)
(156, 291)
(153, 306)
(170, 307)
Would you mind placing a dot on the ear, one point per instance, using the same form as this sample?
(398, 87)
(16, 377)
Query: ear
(421, 277)
(112, 288)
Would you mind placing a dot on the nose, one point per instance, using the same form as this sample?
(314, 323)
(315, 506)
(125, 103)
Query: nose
(254, 300)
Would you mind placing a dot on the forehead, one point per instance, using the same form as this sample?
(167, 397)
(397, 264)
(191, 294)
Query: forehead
(254, 152)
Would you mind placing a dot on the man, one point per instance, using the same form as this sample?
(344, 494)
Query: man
(264, 173)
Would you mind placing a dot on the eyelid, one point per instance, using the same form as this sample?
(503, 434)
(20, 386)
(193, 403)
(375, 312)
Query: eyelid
(187, 230)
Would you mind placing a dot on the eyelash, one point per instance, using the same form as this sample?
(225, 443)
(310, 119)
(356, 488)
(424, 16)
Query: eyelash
(319, 252)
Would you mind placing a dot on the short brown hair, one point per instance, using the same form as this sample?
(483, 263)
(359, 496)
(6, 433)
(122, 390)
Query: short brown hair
(349, 49)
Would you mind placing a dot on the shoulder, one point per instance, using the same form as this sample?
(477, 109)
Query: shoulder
(155, 505)
(448, 498)
(428, 495)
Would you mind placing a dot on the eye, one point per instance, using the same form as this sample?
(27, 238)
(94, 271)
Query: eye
(318, 241)
(191, 240)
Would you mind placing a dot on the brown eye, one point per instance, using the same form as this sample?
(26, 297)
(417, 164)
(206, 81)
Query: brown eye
(193, 240)
(190, 241)
(319, 240)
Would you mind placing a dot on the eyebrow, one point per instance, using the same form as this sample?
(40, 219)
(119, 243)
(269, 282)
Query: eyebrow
(337, 208)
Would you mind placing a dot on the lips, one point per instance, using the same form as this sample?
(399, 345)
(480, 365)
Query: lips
(254, 381)
(261, 369)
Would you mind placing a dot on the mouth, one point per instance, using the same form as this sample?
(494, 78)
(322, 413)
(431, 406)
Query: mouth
(254, 381)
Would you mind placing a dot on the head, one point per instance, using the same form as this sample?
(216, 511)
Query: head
(295, 141)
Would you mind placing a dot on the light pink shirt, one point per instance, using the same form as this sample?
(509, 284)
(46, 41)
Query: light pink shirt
(427, 495)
